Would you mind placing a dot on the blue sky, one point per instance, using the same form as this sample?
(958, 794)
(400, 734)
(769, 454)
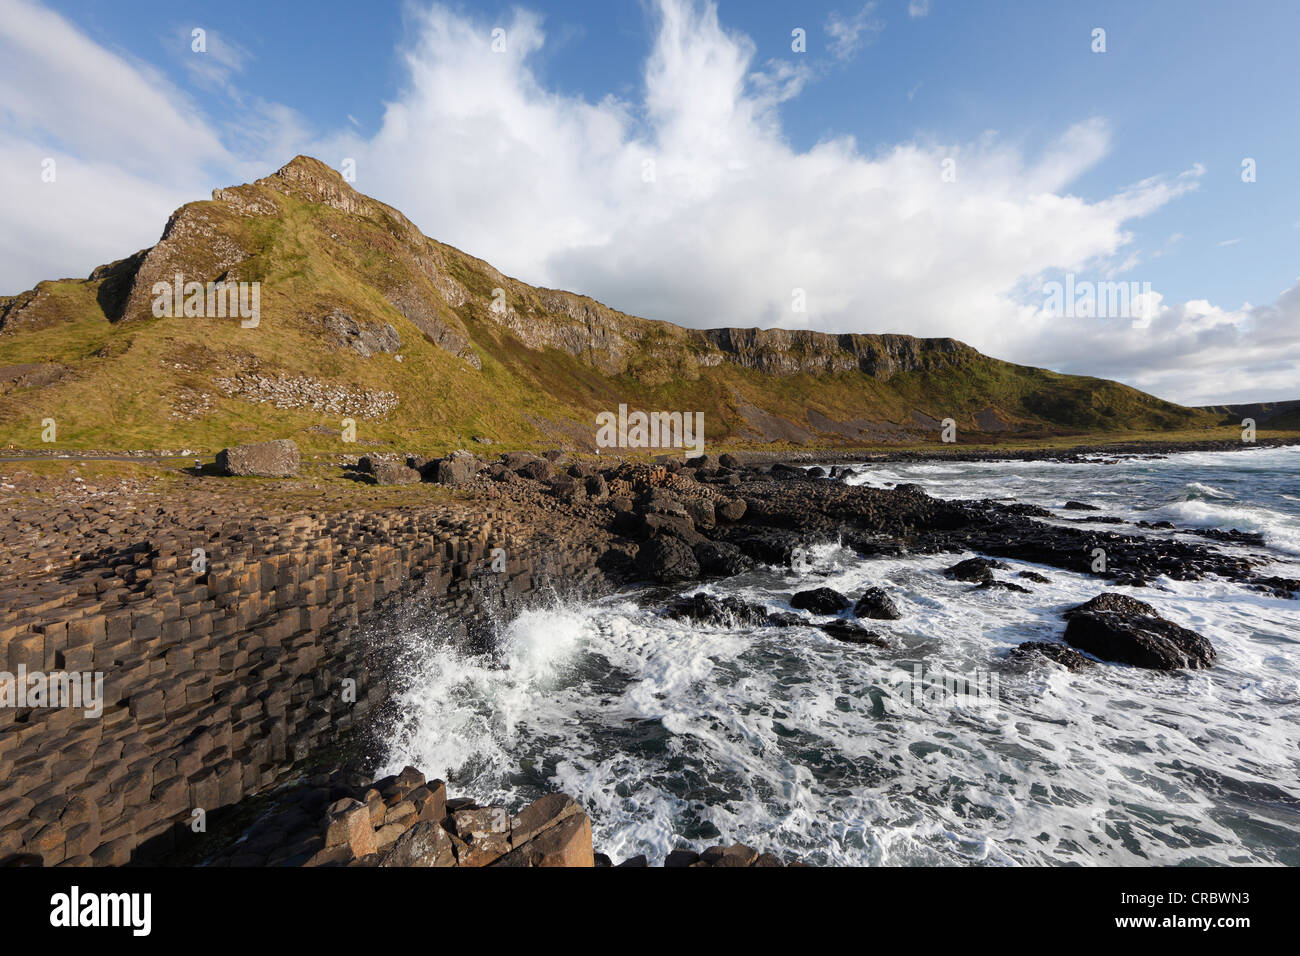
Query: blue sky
(1122, 165)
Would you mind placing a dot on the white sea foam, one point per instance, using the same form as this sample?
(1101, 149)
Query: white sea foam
(790, 741)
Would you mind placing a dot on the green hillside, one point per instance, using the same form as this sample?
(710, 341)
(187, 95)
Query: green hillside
(521, 367)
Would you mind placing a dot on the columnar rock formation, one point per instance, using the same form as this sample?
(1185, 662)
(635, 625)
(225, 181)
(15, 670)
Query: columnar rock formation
(230, 642)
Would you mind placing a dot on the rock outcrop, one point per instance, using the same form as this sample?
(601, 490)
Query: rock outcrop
(1115, 627)
(385, 471)
(364, 338)
(875, 603)
(1061, 654)
(405, 820)
(820, 601)
(271, 459)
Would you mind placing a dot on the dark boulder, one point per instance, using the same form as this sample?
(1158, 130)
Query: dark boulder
(668, 560)
(1108, 602)
(851, 632)
(722, 559)
(974, 569)
(514, 460)
(875, 603)
(455, 470)
(679, 526)
(736, 855)
(596, 486)
(820, 601)
(769, 546)
(992, 585)
(1080, 506)
(730, 509)
(1276, 586)
(382, 471)
(787, 619)
(1062, 654)
(539, 470)
(1027, 511)
(1115, 627)
(567, 489)
(701, 512)
(726, 612)
(910, 489)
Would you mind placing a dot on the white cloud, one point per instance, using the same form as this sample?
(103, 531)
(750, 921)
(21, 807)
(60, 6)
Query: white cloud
(60, 88)
(216, 64)
(1193, 352)
(127, 148)
(553, 189)
(850, 34)
(918, 8)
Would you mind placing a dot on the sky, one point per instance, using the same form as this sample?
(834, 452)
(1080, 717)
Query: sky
(929, 167)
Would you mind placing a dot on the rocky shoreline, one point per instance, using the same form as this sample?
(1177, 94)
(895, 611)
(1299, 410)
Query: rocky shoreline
(404, 820)
(95, 577)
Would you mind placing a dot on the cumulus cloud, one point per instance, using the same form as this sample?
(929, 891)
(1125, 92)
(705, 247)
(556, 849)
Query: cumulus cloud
(918, 8)
(691, 206)
(1193, 352)
(687, 202)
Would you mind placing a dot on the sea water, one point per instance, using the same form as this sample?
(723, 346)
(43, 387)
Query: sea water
(672, 734)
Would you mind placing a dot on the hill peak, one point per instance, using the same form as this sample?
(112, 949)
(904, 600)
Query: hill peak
(309, 179)
(312, 173)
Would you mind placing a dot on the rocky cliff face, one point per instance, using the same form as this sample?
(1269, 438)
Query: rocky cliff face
(784, 352)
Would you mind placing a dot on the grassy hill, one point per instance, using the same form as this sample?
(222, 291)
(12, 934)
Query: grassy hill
(343, 278)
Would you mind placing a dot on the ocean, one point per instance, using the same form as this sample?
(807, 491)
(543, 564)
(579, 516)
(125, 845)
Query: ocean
(932, 752)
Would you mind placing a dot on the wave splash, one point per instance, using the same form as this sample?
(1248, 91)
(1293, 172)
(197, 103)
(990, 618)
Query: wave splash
(782, 738)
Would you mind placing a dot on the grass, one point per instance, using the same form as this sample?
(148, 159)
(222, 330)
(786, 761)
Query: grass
(129, 383)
